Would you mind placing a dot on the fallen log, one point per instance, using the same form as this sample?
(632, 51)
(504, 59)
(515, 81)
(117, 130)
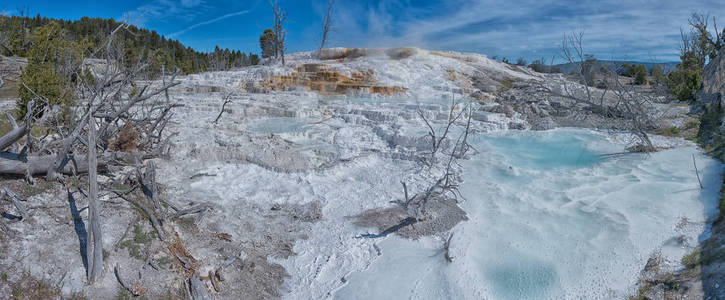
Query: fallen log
(11, 163)
(40, 164)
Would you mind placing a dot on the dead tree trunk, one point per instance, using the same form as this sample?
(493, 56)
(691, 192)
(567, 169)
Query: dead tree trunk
(327, 23)
(280, 17)
(95, 258)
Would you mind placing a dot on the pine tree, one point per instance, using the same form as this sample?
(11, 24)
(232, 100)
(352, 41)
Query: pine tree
(267, 43)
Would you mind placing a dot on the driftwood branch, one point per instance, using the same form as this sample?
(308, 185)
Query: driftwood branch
(154, 222)
(696, 171)
(17, 132)
(405, 191)
(193, 210)
(447, 248)
(117, 272)
(198, 288)
(15, 200)
(226, 100)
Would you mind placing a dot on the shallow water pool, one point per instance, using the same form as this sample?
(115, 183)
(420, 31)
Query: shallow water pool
(550, 218)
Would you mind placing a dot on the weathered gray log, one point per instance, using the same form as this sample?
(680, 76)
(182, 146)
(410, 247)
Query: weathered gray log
(40, 164)
(94, 224)
(198, 288)
(192, 210)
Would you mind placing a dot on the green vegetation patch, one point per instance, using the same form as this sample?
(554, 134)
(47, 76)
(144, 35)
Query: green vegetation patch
(29, 287)
(669, 131)
(134, 244)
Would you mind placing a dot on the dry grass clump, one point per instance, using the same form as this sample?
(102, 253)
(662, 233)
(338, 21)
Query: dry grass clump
(127, 139)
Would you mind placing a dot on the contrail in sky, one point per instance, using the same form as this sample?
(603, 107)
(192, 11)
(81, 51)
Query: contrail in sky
(229, 15)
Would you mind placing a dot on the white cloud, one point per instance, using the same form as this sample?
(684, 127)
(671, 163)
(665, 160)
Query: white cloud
(191, 3)
(163, 9)
(638, 29)
(7, 13)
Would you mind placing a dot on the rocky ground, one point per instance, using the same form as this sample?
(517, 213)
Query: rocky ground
(310, 151)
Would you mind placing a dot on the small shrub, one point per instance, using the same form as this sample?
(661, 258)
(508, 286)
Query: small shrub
(134, 245)
(684, 84)
(692, 124)
(669, 131)
(640, 75)
(139, 236)
(133, 249)
(692, 260)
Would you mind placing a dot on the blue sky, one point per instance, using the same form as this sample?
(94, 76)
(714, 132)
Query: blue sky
(646, 30)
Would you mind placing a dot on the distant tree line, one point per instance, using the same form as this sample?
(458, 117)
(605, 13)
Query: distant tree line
(139, 43)
(701, 43)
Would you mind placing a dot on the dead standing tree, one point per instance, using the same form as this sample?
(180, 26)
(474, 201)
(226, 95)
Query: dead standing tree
(445, 184)
(327, 23)
(226, 99)
(280, 17)
(445, 187)
(636, 111)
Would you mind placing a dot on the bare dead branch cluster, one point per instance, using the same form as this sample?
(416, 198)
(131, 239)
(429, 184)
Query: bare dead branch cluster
(443, 147)
(438, 139)
(109, 100)
(447, 184)
(617, 101)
